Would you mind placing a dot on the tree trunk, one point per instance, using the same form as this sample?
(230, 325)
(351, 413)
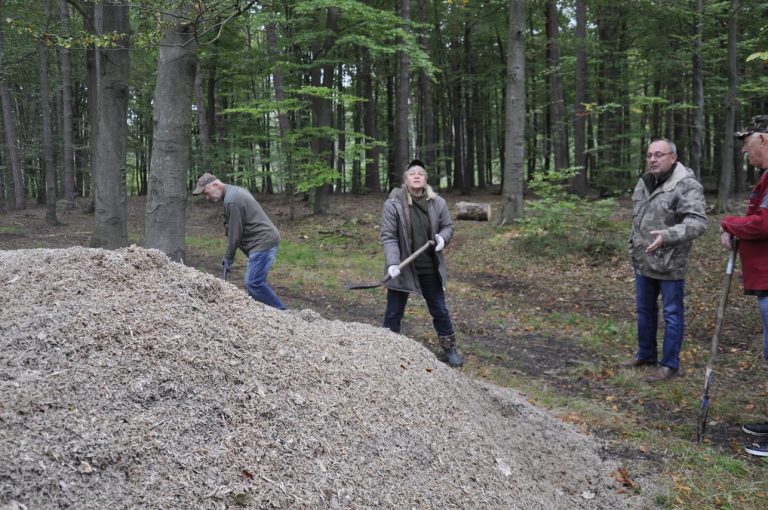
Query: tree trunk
(500, 106)
(429, 129)
(357, 127)
(726, 167)
(468, 178)
(611, 28)
(210, 103)
(514, 139)
(341, 130)
(283, 122)
(47, 137)
(109, 149)
(393, 175)
(371, 133)
(532, 110)
(579, 182)
(457, 115)
(67, 133)
(478, 127)
(697, 134)
(403, 92)
(202, 119)
(9, 129)
(557, 109)
(322, 109)
(164, 220)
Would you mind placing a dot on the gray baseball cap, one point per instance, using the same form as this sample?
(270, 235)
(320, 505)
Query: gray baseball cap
(202, 182)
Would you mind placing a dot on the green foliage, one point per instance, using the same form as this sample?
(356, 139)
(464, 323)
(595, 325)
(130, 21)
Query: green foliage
(560, 223)
(378, 30)
(758, 56)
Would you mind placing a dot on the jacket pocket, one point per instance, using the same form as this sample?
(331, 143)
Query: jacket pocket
(661, 261)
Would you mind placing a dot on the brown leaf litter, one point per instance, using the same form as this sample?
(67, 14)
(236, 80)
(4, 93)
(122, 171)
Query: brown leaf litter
(128, 380)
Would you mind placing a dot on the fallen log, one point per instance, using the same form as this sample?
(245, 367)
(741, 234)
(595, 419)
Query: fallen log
(473, 211)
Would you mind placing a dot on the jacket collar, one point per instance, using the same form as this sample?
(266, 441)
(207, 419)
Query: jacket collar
(676, 174)
(401, 194)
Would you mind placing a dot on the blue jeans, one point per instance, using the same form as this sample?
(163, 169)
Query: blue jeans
(763, 302)
(259, 263)
(432, 290)
(673, 307)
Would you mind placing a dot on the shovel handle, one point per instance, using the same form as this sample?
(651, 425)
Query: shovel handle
(415, 254)
(709, 375)
(400, 266)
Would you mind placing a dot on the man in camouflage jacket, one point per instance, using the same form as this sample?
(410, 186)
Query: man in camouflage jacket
(669, 213)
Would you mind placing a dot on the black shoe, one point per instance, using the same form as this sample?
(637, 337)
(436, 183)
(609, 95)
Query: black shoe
(755, 429)
(662, 374)
(757, 449)
(635, 363)
(454, 359)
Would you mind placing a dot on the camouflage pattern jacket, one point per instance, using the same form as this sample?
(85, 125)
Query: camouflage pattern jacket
(677, 209)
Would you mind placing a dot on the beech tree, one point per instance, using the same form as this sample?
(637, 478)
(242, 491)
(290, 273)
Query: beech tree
(729, 124)
(108, 107)
(9, 127)
(47, 131)
(514, 140)
(164, 225)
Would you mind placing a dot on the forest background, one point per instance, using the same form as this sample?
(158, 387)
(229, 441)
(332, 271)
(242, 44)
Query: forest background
(544, 107)
(316, 98)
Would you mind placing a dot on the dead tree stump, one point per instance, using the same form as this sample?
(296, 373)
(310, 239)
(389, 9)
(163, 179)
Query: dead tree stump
(473, 211)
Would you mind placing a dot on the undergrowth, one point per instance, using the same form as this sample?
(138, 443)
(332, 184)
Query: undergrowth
(558, 223)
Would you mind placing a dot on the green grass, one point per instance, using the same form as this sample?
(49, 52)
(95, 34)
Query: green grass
(297, 255)
(213, 243)
(8, 229)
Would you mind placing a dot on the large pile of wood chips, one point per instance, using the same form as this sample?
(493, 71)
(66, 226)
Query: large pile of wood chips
(129, 381)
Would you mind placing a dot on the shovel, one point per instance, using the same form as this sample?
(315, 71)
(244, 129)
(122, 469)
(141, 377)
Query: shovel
(710, 374)
(353, 286)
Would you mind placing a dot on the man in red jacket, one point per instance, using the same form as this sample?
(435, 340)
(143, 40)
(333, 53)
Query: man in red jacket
(752, 232)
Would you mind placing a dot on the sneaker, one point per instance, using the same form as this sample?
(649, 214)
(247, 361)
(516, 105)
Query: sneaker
(755, 429)
(757, 449)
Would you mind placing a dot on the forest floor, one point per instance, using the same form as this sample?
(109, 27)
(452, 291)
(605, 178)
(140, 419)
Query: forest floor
(551, 319)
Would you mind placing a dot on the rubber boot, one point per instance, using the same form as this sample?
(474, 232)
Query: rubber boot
(448, 343)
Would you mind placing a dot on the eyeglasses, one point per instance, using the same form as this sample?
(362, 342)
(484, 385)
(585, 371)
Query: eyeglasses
(657, 155)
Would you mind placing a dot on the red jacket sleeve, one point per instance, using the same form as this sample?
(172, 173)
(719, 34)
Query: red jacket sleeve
(752, 227)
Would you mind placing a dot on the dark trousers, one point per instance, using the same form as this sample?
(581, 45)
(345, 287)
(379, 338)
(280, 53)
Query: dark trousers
(432, 290)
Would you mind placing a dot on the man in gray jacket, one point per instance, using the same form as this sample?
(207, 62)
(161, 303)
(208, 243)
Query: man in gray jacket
(669, 213)
(247, 227)
(412, 216)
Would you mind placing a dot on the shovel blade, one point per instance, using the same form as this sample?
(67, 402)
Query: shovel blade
(702, 421)
(356, 286)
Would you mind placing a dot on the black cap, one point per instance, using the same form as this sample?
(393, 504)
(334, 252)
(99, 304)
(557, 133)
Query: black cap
(416, 162)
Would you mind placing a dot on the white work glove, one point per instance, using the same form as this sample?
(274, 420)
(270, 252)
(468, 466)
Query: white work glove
(440, 242)
(393, 271)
